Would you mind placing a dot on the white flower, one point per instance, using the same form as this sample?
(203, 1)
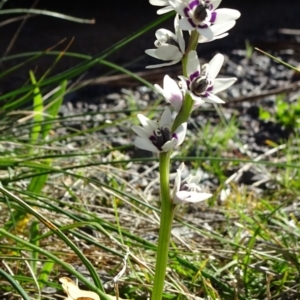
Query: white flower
(187, 190)
(173, 94)
(162, 3)
(170, 46)
(157, 137)
(201, 83)
(203, 15)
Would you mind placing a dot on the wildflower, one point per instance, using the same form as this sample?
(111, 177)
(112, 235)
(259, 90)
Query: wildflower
(187, 190)
(173, 94)
(170, 46)
(162, 3)
(157, 137)
(203, 15)
(201, 83)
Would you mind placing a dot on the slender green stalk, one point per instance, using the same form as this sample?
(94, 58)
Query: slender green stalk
(188, 102)
(166, 218)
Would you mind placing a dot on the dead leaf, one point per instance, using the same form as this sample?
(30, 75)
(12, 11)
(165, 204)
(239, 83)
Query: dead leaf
(74, 292)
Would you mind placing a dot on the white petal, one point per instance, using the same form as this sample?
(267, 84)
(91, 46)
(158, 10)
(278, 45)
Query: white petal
(183, 197)
(141, 132)
(221, 28)
(215, 65)
(178, 6)
(203, 39)
(218, 31)
(173, 62)
(169, 145)
(181, 167)
(166, 118)
(177, 181)
(211, 98)
(164, 33)
(164, 10)
(172, 93)
(181, 132)
(193, 64)
(206, 32)
(145, 144)
(196, 98)
(198, 103)
(148, 124)
(179, 34)
(168, 52)
(151, 52)
(197, 197)
(183, 81)
(222, 84)
(193, 179)
(226, 14)
(159, 89)
(184, 24)
(159, 2)
(215, 3)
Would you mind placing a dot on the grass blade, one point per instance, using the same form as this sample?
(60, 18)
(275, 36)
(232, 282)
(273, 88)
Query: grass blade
(14, 283)
(38, 108)
(53, 109)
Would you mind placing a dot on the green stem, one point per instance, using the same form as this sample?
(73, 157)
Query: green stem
(188, 102)
(166, 218)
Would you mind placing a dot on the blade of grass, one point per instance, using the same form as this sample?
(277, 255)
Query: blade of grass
(45, 272)
(66, 266)
(53, 109)
(92, 61)
(14, 283)
(278, 60)
(34, 232)
(58, 232)
(34, 56)
(46, 13)
(38, 108)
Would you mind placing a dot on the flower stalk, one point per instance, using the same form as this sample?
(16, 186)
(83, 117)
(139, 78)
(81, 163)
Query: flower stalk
(166, 220)
(188, 102)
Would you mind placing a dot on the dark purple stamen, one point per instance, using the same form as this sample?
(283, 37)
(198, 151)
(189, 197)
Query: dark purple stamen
(200, 13)
(199, 85)
(161, 136)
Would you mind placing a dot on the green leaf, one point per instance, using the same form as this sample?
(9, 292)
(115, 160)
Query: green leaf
(34, 232)
(264, 115)
(38, 108)
(52, 109)
(15, 284)
(45, 273)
